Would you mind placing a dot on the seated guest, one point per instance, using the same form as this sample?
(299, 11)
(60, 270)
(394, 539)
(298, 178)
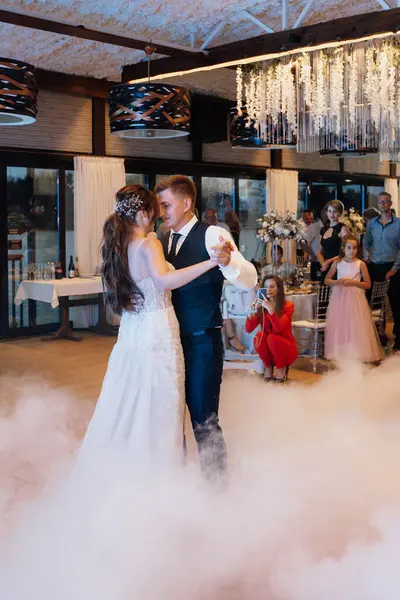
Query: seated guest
(275, 343)
(278, 267)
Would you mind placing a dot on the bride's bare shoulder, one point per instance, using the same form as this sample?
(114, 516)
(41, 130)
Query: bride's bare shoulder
(152, 246)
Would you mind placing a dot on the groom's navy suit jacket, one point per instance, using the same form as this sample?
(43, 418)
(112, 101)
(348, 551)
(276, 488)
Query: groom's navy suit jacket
(197, 304)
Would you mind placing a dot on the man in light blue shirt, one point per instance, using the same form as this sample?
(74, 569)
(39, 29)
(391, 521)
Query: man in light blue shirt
(382, 243)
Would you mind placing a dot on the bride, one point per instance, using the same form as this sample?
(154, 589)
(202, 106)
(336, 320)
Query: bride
(141, 405)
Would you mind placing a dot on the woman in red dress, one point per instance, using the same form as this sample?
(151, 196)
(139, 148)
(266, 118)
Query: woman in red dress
(275, 343)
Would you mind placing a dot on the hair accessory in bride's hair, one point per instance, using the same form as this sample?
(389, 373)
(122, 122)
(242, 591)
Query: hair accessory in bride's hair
(128, 207)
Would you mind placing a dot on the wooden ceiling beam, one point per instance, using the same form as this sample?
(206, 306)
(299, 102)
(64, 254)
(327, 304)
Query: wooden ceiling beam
(73, 84)
(87, 34)
(347, 28)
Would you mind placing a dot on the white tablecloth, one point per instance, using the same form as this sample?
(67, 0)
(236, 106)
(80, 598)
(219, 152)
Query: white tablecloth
(304, 308)
(51, 290)
(304, 305)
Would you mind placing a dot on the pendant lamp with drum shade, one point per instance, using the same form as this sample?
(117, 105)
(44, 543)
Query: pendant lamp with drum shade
(245, 134)
(18, 92)
(149, 110)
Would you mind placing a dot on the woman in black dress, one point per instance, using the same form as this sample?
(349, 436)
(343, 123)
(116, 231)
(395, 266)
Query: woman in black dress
(332, 235)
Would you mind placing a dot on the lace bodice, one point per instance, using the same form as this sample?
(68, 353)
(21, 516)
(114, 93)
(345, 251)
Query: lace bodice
(153, 298)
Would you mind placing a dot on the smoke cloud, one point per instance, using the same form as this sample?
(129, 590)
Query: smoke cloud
(311, 510)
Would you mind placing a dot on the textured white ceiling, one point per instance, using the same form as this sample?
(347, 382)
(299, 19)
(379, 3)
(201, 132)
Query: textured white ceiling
(171, 21)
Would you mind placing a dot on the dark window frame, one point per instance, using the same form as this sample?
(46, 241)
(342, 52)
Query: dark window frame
(150, 168)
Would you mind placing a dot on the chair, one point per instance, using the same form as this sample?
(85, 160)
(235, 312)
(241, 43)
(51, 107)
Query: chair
(235, 305)
(378, 304)
(318, 323)
(302, 262)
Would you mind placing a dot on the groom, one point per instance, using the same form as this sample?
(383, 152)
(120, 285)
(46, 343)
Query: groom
(198, 311)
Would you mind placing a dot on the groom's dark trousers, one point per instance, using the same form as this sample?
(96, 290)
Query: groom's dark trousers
(197, 307)
(204, 352)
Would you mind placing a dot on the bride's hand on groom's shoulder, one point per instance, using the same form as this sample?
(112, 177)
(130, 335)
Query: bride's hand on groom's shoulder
(221, 253)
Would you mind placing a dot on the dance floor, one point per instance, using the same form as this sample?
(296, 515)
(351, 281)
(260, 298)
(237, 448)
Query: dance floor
(77, 369)
(313, 488)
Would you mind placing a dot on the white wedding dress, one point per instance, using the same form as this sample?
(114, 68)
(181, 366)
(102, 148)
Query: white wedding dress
(140, 411)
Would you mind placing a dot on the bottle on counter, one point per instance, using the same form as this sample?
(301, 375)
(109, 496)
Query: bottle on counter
(58, 272)
(71, 268)
(76, 267)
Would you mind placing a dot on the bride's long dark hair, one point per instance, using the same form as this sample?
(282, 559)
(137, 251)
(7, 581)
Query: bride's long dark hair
(121, 292)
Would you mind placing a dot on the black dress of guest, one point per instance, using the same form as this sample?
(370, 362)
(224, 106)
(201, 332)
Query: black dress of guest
(330, 246)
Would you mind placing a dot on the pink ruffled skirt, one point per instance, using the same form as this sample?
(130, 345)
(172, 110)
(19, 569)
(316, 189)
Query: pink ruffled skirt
(350, 331)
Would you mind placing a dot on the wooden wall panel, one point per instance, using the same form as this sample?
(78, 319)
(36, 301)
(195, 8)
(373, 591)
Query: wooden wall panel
(64, 124)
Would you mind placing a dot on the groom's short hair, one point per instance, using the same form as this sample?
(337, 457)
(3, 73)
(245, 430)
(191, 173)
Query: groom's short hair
(180, 185)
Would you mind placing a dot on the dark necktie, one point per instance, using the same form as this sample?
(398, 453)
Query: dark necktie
(172, 252)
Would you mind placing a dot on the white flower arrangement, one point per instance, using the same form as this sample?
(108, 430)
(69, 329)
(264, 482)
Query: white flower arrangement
(353, 87)
(337, 88)
(320, 93)
(352, 92)
(239, 90)
(268, 91)
(276, 226)
(354, 222)
(372, 85)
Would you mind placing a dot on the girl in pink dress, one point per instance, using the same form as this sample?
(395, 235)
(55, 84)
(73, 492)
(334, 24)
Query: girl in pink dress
(350, 331)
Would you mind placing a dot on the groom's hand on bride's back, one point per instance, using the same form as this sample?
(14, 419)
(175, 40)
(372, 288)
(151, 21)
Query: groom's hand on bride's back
(221, 253)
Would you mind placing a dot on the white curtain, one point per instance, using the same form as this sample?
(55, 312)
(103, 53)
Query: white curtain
(96, 181)
(282, 190)
(282, 194)
(391, 186)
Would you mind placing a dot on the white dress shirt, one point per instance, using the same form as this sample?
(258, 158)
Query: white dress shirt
(312, 235)
(239, 272)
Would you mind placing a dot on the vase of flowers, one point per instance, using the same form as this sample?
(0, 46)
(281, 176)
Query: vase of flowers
(275, 227)
(354, 222)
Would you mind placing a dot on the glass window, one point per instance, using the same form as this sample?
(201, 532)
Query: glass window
(161, 177)
(69, 214)
(218, 193)
(302, 198)
(352, 196)
(135, 179)
(371, 196)
(252, 203)
(320, 194)
(32, 221)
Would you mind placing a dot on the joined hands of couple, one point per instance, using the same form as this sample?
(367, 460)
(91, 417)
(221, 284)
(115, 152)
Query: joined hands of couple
(221, 253)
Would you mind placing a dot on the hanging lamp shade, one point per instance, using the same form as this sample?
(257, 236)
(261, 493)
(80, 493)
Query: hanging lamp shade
(18, 92)
(243, 133)
(149, 110)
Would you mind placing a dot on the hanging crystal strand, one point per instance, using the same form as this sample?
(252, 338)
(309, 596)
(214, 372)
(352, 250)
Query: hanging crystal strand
(284, 103)
(395, 153)
(239, 90)
(346, 118)
(363, 126)
(262, 117)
